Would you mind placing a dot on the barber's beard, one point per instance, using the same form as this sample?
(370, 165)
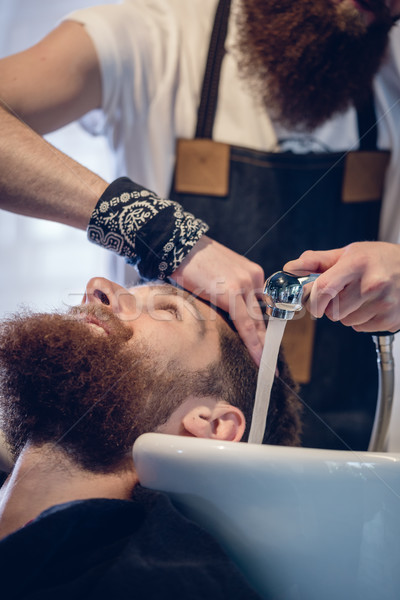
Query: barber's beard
(307, 60)
(62, 382)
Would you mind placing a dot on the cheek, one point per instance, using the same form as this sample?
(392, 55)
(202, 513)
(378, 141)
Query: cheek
(162, 342)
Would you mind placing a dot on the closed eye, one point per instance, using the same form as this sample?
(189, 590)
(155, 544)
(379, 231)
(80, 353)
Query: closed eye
(172, 309)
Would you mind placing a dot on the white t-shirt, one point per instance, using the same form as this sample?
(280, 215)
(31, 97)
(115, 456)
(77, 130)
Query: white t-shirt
(153, 54)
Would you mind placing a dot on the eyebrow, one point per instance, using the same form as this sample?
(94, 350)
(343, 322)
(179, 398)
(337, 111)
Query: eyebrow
(170, 290)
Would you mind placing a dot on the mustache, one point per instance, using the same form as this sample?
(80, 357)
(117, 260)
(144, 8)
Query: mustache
(99, 315)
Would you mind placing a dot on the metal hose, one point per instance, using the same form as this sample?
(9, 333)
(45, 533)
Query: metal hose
(384, 356)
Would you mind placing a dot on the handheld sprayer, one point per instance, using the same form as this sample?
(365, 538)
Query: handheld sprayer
(283, 293)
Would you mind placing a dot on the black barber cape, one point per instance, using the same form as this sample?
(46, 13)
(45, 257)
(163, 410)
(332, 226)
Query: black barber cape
(117, 549)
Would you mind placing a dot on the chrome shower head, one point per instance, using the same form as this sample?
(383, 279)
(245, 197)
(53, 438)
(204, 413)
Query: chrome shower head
(283, 293)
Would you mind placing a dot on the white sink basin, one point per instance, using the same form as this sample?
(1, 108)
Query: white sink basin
(300, 523)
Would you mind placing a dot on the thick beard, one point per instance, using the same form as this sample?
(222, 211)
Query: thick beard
(306, 61)
(87, 393)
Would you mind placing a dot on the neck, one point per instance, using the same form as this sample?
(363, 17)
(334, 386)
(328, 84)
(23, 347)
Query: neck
(43, 477)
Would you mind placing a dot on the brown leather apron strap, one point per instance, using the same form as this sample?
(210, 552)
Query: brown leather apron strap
(202, 165)
(365, 169)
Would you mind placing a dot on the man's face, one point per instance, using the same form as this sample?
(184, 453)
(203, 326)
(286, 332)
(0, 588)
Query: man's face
(118, 365)
(309, 59)
(172, 324)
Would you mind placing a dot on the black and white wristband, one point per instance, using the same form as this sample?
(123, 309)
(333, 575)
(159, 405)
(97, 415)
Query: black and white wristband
(152, 233)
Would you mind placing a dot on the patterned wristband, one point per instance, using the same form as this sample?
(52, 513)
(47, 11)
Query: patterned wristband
(150, 232)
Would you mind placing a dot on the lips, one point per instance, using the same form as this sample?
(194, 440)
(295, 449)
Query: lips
(102, 320)
(97, 325)
(91, 318)
(95, 321)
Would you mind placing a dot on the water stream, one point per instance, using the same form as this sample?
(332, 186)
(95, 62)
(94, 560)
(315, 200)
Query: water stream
(266, 375)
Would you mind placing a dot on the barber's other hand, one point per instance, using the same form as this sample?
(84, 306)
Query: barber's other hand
(231, 282)
(359, 285)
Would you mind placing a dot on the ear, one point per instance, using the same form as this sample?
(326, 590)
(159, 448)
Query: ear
(221, 422)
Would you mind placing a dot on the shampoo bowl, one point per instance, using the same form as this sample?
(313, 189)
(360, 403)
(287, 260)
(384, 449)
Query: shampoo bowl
(302, 524)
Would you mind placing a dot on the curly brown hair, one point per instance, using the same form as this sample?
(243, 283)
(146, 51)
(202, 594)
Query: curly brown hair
(308, 60)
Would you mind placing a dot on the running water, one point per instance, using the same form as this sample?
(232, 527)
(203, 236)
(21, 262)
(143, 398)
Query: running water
(266, 375)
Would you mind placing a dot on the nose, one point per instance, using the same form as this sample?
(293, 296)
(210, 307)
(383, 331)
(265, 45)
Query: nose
(102, 291)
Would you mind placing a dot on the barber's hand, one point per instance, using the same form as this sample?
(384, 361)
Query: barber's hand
(231, 282)
(359, 285)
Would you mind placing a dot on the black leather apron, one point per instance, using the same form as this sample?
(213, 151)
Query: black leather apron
(270, 207)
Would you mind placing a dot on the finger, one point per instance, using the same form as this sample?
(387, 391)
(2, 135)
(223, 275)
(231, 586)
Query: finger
(345, 304)
(317, 302)
(352, 307)
(247, 329)
(328, 286)
(383, 311)
(256, 313)
(378, 323)
(314, 261)
(257, 278)
(363, 314)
